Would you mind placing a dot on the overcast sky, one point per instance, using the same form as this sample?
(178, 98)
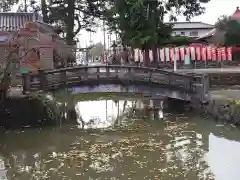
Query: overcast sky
(214, 9)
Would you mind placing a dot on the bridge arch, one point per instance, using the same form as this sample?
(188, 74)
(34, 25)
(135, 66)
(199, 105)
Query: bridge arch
(126, 78)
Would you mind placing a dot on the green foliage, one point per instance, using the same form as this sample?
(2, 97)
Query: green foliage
(140, 22)
(222, 23)
(229, 29)
(6, 5)
(232, 36)
(74, 15)
(178, 41)
(69, 15)
(30, 6)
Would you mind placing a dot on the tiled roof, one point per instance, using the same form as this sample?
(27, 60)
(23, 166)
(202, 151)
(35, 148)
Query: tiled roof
(191, 25)
(208, 34)
(14, 21)
(236, 14)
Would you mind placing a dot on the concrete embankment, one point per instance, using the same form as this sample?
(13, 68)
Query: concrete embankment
(224, 105)
(224, 94)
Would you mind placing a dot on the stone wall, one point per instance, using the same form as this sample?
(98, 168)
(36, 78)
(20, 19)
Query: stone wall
(224, 110)
(30, 111)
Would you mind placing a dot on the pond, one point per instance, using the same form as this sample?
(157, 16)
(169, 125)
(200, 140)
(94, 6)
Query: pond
(121, 140)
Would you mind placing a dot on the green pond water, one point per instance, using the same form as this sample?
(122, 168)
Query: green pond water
(121, 140)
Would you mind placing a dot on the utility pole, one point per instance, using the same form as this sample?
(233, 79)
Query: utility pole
(90, 45)
(109, 42)
(104, 36)
(25, 5)
(104, 44)
(90, 38)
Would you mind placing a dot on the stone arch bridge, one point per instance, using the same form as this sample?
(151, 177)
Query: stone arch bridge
(114, 78)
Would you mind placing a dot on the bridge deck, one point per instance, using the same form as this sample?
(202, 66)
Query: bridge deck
(188, 86)
(210, 70)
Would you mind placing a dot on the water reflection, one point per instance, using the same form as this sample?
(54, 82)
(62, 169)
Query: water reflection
(162, 152)
(108, 113)
(3, 171)
(140, 146)
(224, 158)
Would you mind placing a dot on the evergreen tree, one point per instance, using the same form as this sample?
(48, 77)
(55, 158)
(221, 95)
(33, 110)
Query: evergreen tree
(227, 31)
(75, 15)
(140, 22)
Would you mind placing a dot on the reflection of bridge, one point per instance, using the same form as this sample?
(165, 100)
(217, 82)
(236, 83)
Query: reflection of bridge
(127, 78)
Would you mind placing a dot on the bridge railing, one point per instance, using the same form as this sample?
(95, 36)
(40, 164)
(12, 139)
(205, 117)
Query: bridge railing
(54, 79)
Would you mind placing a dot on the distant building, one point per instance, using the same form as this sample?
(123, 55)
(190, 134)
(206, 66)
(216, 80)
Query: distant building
(191, 29)
(36, 42)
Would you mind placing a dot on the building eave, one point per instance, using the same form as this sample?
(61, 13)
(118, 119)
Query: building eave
(193, 28)
(190, 25)
(207, 35)
(189, 22)
(46, 27)
(11, 22)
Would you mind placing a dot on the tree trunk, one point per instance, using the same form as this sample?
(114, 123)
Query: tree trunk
(155, 57)
(70, 22)
(44, 11)
(146, 57)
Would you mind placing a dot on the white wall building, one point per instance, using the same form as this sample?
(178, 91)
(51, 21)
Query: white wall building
(191, 29)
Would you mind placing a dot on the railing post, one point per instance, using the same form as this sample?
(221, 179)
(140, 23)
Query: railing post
(188, 83)
(85, 73)
(26, 82)
(98, 72)
(169, 78)
(42, 79)
(107, 72)
(150, 76)
(202, 87)
(205, 83)
(116, 71)
(63, 78)
(129, 71)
